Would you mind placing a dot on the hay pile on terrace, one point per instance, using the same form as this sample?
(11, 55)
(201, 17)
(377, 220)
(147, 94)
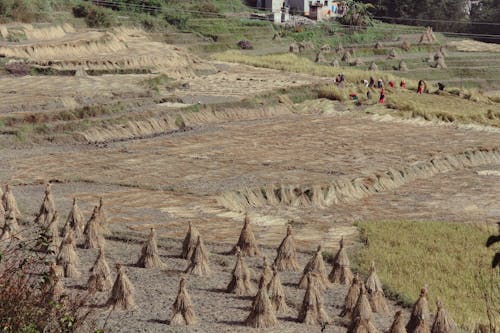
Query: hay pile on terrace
(199, 260)
(56, 288)
(443, 51)
(11, 222)
(339, 48)
(262, 314)
(378, 46)
(67, 257)
(308, 45)
(398, 325)
(47, 208)
(341, 271)
(247, 242)
(438, 55)
(286, 258)
(122, 294)
(50, 241)
(358, 62)
(55, 269)
(346, 57)
(241, 283)
(442, 322)
(375, 291)
(102, 218)
(189, 243)
(183, 307)
(362, 326)
(392, 54)
(75, 221)
(406, 46)
(312, 310)
(440, 64)
(325, 48)
(427, 36)
(9, 201)
(373, 66)
(93, 232)
(317, 266)
(363, 308)
(335, 63)
(419, 319)
(149, 256)
(402, 66)
(267, 272)
(100, 275)
(4, 32)
(320, 57)
(277, 294)
(293, 48)
(351, 299)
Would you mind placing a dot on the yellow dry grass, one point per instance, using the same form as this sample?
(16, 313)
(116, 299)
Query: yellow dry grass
(475, 46)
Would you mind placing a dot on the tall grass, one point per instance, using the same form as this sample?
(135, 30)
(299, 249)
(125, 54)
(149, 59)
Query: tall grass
(448, 257)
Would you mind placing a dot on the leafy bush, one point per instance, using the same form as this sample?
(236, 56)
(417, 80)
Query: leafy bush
(22, 10)
(98, 17)
(177, 19)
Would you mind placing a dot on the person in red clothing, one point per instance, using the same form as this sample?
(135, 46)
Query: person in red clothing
(420, 88)
(403, 84)
(391, 84)
(381, 100)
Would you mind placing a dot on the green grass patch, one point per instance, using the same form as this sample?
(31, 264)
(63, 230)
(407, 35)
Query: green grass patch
(447, 257)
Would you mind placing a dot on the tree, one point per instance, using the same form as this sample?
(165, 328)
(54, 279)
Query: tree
(485, 11)
(358, 14)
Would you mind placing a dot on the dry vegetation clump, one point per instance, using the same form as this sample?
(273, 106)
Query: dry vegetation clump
(346, 57)
(378, 46)
(427, 36)
(267, 272)
(351, 299)
(442, 322)
(419, 319)
(262, 314)
(373, 66)
(293, 48)
(47, 208)
(100, 274)
(360, 325)
(11, 222)
(6, 235)
(277, 294)
(67, 257)
(398, 325)
(339, 48)
(183, 307)
(335, 63)
(341, 271)
(402, 67)
(49, 240)
(189, 243)
(122, 294)
(93, 232)
(325, 48)
(149, 256)
(406, 46)
(75, 221)
(9, 201)
(199, 261)
(376, 292)
(358, 62)
(440, 64)
(363, 308)
(247, 242)
(241, 283)
(333, 93)
(102, 218)
(320, 57)
(315, 265)
(392, 54)
(286, 257)
(443, 50)
(312, 310)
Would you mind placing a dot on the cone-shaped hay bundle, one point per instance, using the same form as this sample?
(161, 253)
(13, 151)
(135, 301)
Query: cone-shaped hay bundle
(341, 271)
(183, 308)
(277, 294)
(262, 314)
(102, 218)
(75, 220)
(392, 54)
(325, 48)
(149, 256)
(247, 242)
(440, 64)
(442, 322)
(50, 240)
(6, 235)
(358, 62)
(55, 269)
(402, 66)
(362, 326)
(67, 257)
(47, 208)
(375, 292)
(286, 259)
(312, 311)
(267, 271)
(241, 283)
(363, 309)
(438, 55)
(406, 46)
(427, 36)
(9, 201)
(320, 57)
(351, 299)
(378, 46)
(11, 221)
(346, 57)
(419, 319)
(93, 232)
(189, 243)
(294, 48)
(335, 63)
(315, 265)
(373, 66)
(398, 325)
(443, 51)
(339, 48)
(100, 275)
(56, 289)
(199, 260)
(122, 295)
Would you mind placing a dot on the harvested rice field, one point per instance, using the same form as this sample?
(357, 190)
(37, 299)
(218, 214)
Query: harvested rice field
(169, 138)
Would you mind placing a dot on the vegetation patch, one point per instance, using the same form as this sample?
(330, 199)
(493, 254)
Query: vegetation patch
(451, 259)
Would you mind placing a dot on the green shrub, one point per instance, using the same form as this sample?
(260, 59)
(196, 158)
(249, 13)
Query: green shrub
(96, 17)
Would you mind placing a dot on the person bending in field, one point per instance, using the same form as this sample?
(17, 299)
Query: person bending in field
(381, 99)
(420, 89)
(403, 84)
(391, 84)
(372, 82)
